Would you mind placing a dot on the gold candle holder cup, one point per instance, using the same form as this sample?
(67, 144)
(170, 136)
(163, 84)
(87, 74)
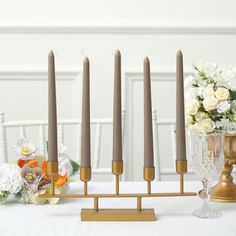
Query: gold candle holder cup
(52, 172)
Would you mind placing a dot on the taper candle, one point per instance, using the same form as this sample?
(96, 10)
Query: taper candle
(52, 110)
(180, 117)
(117, 124)
(85, 137)
(148, 138)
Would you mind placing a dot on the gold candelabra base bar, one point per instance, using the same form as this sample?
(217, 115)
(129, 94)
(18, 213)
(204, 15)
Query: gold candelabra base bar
(137, 214)
(118, 215)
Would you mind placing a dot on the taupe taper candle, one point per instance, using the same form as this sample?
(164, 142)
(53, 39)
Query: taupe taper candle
(180, 117)
(148, 138)
(85, 137)
(52, 110)
(117, 124)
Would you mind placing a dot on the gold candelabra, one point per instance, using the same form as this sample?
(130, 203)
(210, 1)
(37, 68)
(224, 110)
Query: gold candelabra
(136, 214)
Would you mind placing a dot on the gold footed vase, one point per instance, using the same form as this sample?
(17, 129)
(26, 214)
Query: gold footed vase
(225, 190)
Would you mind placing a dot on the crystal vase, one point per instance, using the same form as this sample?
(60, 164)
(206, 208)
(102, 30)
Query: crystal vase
(207, 159)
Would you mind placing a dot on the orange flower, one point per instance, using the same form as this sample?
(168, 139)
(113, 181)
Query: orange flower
(32, 163)
(44, 169)
(21, 163)
(60, 180)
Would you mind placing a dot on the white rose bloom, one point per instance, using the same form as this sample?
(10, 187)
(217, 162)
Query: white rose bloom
(192, 107)
(210, 103)
(206, 125)
(188, 120)
(194, 127)
(223, 106)
(222, 93)
(199, 116)
(208, 92)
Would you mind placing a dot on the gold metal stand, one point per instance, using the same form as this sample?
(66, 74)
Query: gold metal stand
(85, 176)
(117, 170)
(225, 190)
(138, 214)
(181, 169)
(149, 175)
(52, 171)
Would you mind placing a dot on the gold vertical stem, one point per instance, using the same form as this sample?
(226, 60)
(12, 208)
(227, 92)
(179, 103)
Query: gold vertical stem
(117, 184)
(181, 183)
(85, 187)
(139, 204)
(96, 203)
(149, 187)
(53, 185)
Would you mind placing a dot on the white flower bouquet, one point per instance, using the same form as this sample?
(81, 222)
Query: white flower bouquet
(24, 180)
(210, 98)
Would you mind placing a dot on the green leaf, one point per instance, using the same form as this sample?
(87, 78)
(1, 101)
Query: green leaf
(3, 196)
(75, 167)
(233, 95)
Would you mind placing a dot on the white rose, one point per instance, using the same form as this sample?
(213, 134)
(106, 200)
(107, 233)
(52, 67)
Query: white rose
(194, 127)
(188, 120)
(223, 106)
(199, 116)
(210, 103)
(222, 93)
(208, 92)
(206, 125)
(192, 107)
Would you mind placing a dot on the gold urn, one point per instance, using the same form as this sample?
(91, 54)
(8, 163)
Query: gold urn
(225, 190)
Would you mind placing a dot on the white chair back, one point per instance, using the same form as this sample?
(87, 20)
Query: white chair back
(42, 124)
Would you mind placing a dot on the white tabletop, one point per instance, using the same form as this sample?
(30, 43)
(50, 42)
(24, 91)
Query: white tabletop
(174, 215)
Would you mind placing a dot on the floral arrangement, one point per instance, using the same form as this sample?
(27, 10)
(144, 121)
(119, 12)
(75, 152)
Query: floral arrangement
(24, 180)
(210, 95)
